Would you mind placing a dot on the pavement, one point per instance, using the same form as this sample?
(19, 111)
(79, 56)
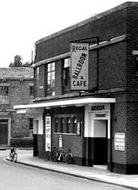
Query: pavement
(100, 174)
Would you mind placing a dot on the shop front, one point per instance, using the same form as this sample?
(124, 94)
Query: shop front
(79, 124)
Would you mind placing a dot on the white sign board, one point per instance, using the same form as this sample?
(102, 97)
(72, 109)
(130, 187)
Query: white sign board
(119, 141)
(79, 66)
(48, 133)
(60, 141)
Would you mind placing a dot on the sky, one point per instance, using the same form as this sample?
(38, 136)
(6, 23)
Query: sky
(23, 22)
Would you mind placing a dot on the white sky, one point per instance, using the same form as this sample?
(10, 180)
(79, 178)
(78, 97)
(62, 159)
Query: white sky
(23, 22)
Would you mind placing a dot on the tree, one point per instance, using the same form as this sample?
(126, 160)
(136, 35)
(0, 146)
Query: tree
(27, 64)
(17, 61)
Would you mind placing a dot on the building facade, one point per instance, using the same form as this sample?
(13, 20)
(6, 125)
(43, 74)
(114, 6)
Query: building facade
(98, 123)
(16, 87)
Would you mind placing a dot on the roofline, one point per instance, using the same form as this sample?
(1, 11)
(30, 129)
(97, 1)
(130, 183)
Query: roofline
(91, 19)
(14, 78)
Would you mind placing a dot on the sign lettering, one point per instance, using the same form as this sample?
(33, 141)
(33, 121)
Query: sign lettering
(119, 141)
(79, 66)
(48, 133)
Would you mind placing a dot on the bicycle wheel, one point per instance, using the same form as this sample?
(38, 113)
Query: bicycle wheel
(15, 157)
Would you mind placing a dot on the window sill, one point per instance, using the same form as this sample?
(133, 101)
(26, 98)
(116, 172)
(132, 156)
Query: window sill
(70, 134)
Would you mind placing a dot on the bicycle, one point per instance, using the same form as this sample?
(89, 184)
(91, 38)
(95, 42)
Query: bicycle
(13, 155)
(68, 157)
(61, 155)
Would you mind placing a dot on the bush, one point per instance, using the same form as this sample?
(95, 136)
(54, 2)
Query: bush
(22, 142)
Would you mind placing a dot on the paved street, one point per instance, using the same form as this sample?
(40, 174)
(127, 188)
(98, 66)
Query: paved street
(14, 176)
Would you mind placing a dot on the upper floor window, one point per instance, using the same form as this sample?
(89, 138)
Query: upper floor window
(66, 75)
(30, 123)
(51, 79)
(37, 77)
(4, 90)
(37, 80)
(66, 72)
(31, 90)
(137, 64)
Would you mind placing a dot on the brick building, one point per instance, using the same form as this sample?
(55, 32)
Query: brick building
(98, 124)
(16, 87)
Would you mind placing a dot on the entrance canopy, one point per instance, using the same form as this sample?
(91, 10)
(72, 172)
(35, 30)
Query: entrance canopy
(66, 102)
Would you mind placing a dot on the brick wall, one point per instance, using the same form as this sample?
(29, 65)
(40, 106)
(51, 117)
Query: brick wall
(132, 29)
(112, 59)
(112, 67)
(69, 141)
(20, 92)
(106, 27)
(132, 128)
(119, 123)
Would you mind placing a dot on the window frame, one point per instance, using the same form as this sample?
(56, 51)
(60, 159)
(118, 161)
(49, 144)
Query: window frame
(50, 79)
(66, 74)
(31, 90)
(65, 127)
(4, 90)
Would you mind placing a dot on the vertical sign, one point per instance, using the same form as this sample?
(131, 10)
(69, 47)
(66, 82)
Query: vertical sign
(79, 66)
(48, 133)
(60, 141)
(119, 141)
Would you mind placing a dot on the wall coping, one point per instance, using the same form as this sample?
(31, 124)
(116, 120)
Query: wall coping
(91, 19)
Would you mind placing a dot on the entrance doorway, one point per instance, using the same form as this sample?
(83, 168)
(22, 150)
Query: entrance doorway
(3, 132)
(100, 143)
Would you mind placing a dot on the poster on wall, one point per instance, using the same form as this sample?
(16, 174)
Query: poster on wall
(79, 66)
(119, 141)
(48, 133)
(60, 141)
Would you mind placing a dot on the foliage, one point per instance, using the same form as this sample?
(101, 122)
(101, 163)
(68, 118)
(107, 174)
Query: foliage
(18, 62)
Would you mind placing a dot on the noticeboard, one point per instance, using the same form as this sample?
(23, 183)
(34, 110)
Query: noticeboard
(119, 141)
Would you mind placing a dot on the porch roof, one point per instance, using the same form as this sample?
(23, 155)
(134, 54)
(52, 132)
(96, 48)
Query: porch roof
(66, 102)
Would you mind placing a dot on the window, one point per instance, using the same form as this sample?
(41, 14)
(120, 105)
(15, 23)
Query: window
(136, 64)
(51, 79)
(37, 81)
(4, 90)
(30, 123)
(56, 124)
(74, 125)
(31, 89)
(37, 75)
(62, 124)
(66, 73)
(66, 124)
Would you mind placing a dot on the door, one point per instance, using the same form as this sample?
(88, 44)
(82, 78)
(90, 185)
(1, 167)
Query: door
(35, 138)
(3, 131)
(100, 142)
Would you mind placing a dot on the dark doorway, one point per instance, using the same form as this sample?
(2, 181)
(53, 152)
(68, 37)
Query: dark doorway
(3, 131)
(100, 142)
